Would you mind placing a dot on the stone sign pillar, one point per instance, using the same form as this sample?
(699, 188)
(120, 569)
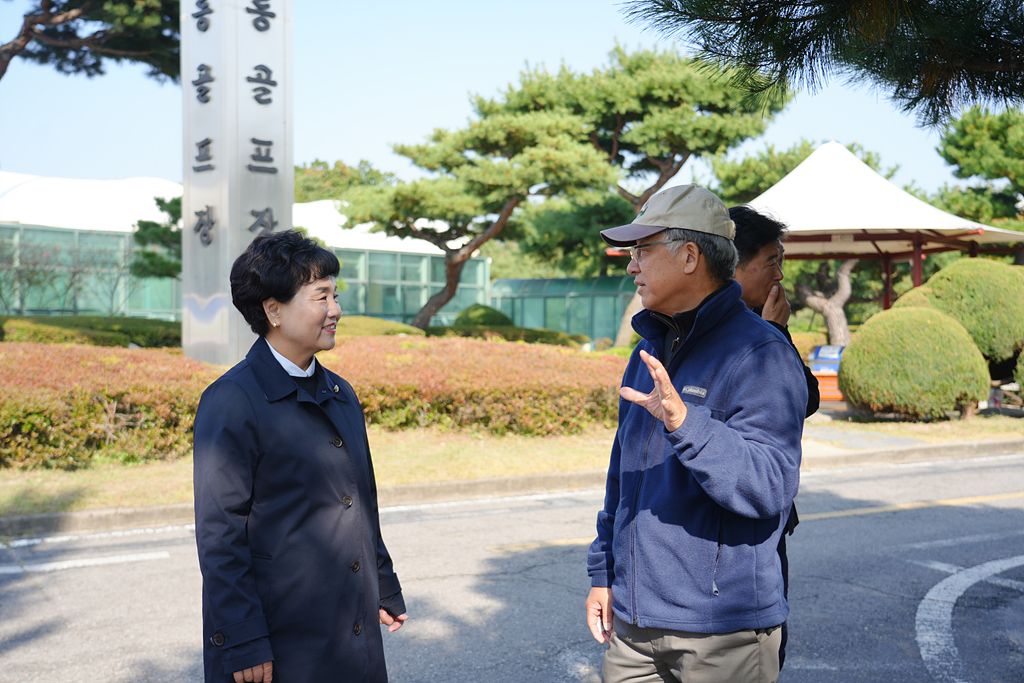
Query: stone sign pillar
(236, 77)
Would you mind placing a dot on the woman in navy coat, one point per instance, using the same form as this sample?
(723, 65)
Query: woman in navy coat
(294, 567)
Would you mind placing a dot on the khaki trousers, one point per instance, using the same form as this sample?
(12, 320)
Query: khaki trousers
(655, 655)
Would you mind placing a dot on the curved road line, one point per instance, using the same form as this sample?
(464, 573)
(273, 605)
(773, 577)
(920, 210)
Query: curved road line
(935, 619)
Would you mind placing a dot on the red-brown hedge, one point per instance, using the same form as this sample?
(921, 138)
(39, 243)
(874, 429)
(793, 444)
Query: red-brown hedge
(63, 403)
(60, 405)
(492, 385)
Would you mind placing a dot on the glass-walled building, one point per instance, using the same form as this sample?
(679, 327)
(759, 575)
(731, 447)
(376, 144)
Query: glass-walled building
(591, 307)
(66, 249)
(390, 277)
(60, 271)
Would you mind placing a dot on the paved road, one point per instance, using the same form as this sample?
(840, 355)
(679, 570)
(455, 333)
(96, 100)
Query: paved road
(900, 573)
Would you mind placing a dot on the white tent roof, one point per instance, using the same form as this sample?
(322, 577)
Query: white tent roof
(117, 205)
(836, 204)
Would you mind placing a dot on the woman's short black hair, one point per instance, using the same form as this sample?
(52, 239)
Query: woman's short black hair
(754, 230)
(276, 265)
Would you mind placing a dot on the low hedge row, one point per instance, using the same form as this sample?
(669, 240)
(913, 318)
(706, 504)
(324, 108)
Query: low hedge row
(62, 406)
(117, 331)
(94, 330)
(465, 383)
(510, 333)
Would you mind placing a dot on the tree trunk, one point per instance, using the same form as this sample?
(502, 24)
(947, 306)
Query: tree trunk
(455, 259)
(968, 410)
(625, 334)
(453, 265)
(831, 308)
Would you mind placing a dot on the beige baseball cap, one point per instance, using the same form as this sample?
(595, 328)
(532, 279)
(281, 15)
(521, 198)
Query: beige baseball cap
(689, 207)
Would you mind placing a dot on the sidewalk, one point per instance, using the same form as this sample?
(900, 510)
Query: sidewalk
(824, 446)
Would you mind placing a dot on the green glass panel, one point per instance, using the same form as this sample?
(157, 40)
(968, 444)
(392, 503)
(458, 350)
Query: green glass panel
(472, 272)
(579, 315)
(582, 286)
(413, 299)
(381, 299)
(413, 267)
(533, 312)
(534, 286)
(353, 299)
(506, 287)
(437, 275)
(353, 264)
(383, 267)
(560, 286)
(606, 317)
(554, 314)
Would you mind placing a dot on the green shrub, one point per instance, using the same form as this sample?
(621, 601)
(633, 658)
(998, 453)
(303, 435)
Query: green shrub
(917, 297)
(478, 314)
(508, 333)
(986, 297)
(916, 362)
(366, 326)
(1018, 372)
(92, 330)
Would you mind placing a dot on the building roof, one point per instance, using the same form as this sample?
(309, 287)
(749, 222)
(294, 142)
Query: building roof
(835, 204)
(324, 221)
(117, 205)
(110, 205)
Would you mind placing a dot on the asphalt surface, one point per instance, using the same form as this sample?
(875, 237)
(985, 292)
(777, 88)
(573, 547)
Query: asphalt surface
(908, 572)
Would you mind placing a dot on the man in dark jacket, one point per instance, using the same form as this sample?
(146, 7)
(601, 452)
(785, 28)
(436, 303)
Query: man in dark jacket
(759, 271)
(687, 583)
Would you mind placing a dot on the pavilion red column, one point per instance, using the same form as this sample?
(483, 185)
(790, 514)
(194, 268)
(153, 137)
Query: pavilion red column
(918, 258)
(886, 282)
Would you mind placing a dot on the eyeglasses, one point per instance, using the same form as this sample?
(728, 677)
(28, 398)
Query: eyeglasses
(634, 251)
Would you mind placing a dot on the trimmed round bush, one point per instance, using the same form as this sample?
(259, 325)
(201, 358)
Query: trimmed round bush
(986, 297)
(478, 314)
(917, 362)
(917, 297)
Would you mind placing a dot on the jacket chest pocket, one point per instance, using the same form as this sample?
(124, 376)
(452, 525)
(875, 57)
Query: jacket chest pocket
(694, 395)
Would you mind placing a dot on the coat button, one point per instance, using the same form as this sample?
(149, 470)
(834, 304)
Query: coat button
(354, 566)
(217, 639)
(346, 501)
(337, 441)
(357, 629)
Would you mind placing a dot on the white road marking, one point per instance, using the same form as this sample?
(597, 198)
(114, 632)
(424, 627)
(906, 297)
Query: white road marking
(961, 540)
(78, 564)
(24, 542)
(934, 623)
(504, 499)
(953, 569)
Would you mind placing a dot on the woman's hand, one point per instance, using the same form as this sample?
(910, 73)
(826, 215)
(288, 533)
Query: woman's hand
(393, 623)
(261, 673)
(663, 403)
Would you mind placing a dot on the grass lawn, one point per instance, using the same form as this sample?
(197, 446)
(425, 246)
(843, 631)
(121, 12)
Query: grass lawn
(406, 457)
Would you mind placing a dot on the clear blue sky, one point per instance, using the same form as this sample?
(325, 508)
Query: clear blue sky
(371, 74)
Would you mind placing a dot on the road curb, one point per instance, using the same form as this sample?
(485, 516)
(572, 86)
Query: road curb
(418, 494)
(916, 453)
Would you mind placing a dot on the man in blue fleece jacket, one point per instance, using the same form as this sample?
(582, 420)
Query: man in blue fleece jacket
(687, 582)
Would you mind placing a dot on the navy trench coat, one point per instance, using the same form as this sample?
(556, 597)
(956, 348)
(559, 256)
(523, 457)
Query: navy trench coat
(290, 549)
